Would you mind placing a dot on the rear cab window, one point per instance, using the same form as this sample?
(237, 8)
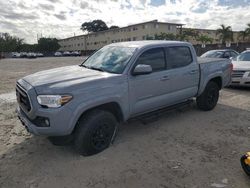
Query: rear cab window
(178, 56)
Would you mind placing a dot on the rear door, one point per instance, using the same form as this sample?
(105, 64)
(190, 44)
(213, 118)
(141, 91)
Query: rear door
(183, 73)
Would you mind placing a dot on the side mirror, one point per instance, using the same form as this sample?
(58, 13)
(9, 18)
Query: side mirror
(142, 69)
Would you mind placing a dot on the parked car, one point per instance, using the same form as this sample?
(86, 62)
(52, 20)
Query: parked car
(31, 55)
(23, 54)
(15, 55)
(241, 70)
(120, 81)
(226, 53)
(39, 55)
(58, 54)
(75, 53)
(66, 53)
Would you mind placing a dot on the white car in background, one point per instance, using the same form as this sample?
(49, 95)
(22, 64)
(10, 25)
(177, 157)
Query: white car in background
(66, 53)
(15, 55)
(241, 70)
(75, 53)
(31, 55)
(58, 54)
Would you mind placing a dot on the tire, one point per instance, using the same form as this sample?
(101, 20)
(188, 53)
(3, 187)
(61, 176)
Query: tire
(209, 97)
(95, 132)
(61, 140)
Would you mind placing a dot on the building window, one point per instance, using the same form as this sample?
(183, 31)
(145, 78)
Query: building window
(135, 28)
(144, 37)
(169, 27)
(129, 39)
(156, 26)
(134, 38)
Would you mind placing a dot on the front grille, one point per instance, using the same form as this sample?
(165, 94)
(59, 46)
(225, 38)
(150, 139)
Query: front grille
(22, 98)
(238, 74)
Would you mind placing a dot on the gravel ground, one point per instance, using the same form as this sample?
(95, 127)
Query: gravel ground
(182, 148)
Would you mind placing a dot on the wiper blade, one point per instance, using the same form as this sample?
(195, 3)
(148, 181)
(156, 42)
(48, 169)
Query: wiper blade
(82, 65)
(96, 68)
(93, 68)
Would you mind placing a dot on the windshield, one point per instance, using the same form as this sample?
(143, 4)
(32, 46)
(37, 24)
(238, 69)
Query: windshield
(213, 54)
(245, 56)
(110, 59)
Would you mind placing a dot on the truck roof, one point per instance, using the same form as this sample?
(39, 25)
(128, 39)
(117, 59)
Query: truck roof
(144, 43)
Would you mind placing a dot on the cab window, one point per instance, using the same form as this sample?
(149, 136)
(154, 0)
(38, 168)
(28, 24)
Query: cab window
(154, 57)
(178, 56)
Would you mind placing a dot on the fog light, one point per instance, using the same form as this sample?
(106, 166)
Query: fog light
(41, 121)
(46, 122)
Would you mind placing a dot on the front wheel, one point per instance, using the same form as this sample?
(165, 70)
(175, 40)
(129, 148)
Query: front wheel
(95, 131)
(209, 97)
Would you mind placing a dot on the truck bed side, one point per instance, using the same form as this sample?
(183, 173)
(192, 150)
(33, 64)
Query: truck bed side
(214, 68)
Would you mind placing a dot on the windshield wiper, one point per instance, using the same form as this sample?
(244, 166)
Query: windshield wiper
(96, 68)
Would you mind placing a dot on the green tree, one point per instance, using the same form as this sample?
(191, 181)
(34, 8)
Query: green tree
(9, 43)
(225, 33)
(242, 35)
(94, 26)
(247, 30)
(204, 39)
(165, 36)
(189, 33)
(47, 45)
(113, 27)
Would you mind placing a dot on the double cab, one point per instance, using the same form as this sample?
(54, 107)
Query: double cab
(120, 81)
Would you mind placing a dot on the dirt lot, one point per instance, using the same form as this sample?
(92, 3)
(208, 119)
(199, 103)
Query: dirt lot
(183, 148)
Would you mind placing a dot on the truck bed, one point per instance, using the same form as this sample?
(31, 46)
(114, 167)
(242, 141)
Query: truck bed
(201, 60)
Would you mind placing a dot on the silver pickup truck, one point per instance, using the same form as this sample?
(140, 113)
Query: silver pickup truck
(118, 82)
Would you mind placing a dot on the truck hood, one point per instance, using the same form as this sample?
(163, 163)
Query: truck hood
(241, 65)
(63, 75)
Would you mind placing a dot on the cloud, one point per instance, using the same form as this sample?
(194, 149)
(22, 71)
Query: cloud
(60, 16)
(46, 6)
(57, 18)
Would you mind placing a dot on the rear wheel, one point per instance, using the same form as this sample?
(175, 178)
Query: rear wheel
(95, 131)
(209, 98)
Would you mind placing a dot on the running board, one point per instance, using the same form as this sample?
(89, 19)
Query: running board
(153, 116)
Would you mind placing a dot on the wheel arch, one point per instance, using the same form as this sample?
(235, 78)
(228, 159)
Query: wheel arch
(112, 107)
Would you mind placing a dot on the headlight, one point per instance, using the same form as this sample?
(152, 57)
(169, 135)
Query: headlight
(53, 101)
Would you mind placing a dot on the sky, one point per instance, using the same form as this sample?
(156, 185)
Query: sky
(28, 19)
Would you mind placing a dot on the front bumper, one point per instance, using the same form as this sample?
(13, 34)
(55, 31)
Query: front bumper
(59, 124)
(60, 119)
(243, 80)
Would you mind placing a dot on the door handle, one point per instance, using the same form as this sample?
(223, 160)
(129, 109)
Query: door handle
(164, 78)
(193, 72)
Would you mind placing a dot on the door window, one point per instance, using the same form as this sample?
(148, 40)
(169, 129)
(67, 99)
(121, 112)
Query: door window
(233, 54)
(178, 56)
(154, 57)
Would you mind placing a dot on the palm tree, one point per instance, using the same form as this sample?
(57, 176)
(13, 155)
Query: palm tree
(204, 39)
(247, 30)
(226, 33)
(245, 35)
(242, 35)
(165, 36)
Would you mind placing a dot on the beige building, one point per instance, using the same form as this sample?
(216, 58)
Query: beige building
(141, 31)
